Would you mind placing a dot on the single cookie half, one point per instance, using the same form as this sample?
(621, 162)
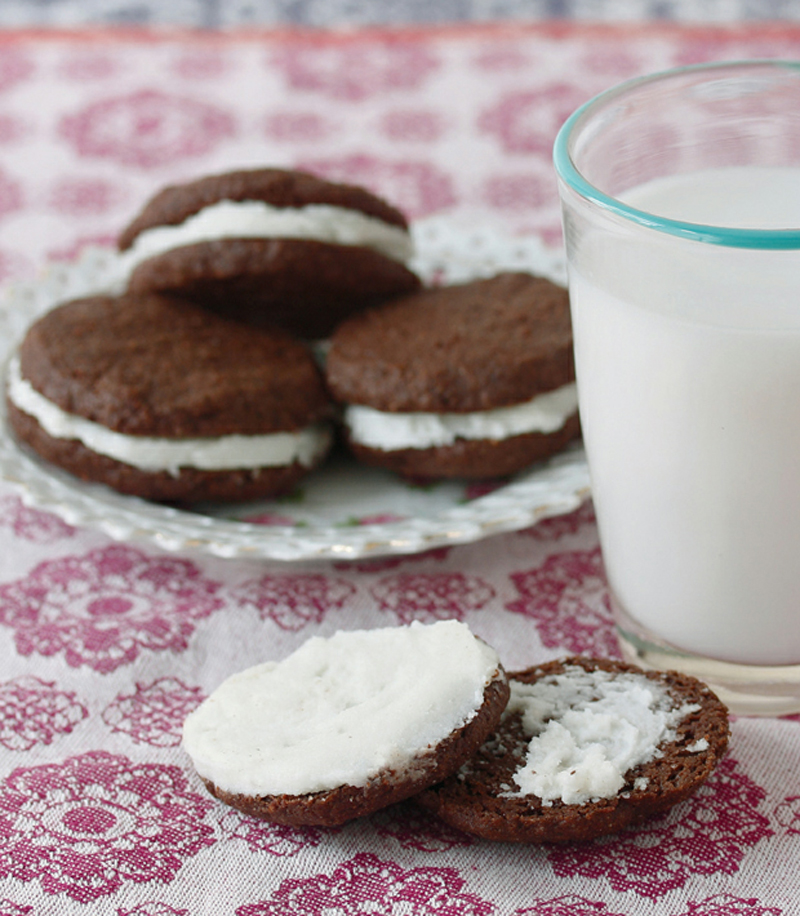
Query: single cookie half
(474, 380)
(348, 725)
(271, 247)
(158, 398)
(586, 747)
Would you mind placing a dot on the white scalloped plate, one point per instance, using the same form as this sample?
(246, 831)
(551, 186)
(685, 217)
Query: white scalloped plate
(342, 510)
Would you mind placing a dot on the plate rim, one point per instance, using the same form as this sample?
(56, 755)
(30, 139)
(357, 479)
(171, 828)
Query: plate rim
(554, 488)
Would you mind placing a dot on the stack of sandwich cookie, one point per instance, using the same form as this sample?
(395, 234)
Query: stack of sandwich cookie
(158, 398)
(473, 380)
(271, 247)
(470, 381)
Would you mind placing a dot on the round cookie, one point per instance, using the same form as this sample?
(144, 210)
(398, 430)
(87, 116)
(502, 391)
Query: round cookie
(510, 791)
(473, 380)
(160, 399)
(271, 247)
(348, 725)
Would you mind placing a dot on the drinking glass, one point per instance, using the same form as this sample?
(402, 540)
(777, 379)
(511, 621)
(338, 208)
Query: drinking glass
(680, 196)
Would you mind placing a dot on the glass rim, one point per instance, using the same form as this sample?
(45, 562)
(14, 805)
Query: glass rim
(700, 232)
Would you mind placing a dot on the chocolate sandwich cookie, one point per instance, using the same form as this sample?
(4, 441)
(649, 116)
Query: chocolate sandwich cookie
(347, 725)
(585, 748)
(474, 380)
(271, 247)
(158, 398)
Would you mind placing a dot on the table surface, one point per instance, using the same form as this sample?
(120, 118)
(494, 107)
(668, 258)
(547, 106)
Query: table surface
(105, 646)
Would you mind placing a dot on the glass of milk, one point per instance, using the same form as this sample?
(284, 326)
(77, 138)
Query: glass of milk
(681, 205)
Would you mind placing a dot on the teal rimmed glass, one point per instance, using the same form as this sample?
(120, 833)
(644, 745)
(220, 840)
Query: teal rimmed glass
(680, 197)
(729, 97)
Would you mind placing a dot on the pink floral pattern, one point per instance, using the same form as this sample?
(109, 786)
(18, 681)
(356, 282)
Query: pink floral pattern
(417, 188)
(32, 524)
(147, 129)
(102, 609)
(153, 908)
(9, 908)
(84, 196)
(13, 264)
(527, 121)
(298, 127)
(88, 66)
(728, 905)
(431, 596)
(522, 191)
(12, 128)
(559, 526)
(787, 814)
(201, 64)
(415, 829)
(154, 713)
(569, 905)
(88, 826)
(34, 712)
(11, 197)
(611, 60)
(709, 834)
(276, 839)
(366, 884)
(718, 905)
(503, 56)
(410, 125)
(353, 71)
(294, 601)
(567, 598)
(15, 67)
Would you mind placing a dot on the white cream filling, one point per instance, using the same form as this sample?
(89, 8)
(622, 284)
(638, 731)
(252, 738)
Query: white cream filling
(222, 453)
(588, 730)
(341, 710)
(389, 432)
(253, 219)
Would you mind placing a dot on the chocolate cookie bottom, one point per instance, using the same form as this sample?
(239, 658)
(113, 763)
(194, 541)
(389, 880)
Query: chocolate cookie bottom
(471, 458)
(189, 485)
(304, 286)
(344, 803)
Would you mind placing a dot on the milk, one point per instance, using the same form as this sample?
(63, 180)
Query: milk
(688, 363)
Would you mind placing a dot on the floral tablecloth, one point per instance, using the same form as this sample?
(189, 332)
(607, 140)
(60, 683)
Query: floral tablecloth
(105, 646)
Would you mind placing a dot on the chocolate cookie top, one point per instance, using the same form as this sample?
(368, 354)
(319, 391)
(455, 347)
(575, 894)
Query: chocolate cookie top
(471, 347)
(302, 285)
(510, 792)
(155, 366)
(277, 187)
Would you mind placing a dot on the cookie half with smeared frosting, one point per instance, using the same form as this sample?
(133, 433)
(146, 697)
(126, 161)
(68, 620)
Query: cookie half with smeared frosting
(586, 747)
(160, 399)
(347, 725)
(471, 380)
(271, 247)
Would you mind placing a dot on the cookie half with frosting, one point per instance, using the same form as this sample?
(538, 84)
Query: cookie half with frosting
(586, 747)
(271, 247)
(160, 399)
(474, 380)
(347, 725)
